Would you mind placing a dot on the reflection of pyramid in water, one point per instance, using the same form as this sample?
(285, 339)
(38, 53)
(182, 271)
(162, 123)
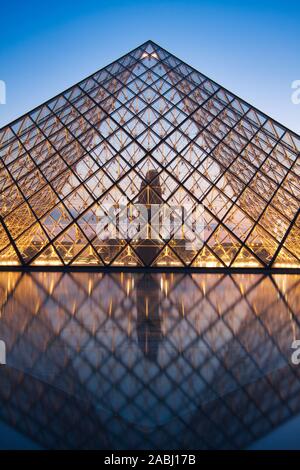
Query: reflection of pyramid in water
(150, 128)
(160, 360)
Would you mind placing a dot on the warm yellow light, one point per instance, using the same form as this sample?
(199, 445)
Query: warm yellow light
(9, 263)
(287, 265)
(246, 264)
(207, 264)
(46, 263)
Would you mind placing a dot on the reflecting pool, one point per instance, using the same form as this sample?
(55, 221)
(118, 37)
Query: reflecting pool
(147, 361)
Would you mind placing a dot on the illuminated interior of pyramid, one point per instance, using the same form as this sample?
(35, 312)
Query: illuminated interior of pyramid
(150, 130)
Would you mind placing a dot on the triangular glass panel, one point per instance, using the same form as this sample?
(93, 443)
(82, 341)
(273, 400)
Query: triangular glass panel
(285, 259)
(127, 258)
(245, 258)
(87, 257)
(48, 257)
(206, 259)
(167, 258)
(8, 257)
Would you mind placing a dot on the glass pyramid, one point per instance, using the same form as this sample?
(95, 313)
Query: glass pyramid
(149, 130)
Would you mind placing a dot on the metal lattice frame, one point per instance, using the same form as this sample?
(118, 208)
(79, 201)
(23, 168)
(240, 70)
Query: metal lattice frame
(94, 362)
(149, 113)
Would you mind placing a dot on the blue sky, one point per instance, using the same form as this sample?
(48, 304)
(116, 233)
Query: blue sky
(250, 47)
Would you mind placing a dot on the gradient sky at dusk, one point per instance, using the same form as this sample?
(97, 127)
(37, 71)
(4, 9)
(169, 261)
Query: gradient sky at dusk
(250, 47)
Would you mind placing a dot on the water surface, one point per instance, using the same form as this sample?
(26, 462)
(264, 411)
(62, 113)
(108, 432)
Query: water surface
(147, 361)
